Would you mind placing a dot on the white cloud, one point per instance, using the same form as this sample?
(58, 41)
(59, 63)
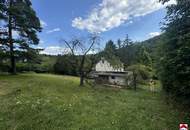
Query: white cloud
(42, 42)
(38, 47)
(92, 52)
(43, 23)
(54, 50)
(153, 34)
(130, 22)
(112, 13)
(54, 30)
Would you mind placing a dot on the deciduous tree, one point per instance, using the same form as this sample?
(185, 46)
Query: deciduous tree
(82, 48)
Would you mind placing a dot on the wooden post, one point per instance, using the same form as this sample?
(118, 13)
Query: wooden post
(135, 80)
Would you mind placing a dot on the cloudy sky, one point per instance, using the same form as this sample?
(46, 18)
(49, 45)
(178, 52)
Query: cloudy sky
(112, 19)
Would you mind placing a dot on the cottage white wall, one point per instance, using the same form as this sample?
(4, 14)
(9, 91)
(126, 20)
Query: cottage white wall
(105, 66)
(117, 80)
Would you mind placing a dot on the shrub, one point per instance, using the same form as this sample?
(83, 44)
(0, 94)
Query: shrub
(4, 68)
(143, 72)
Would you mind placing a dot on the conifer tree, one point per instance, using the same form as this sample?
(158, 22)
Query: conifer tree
(175, 63)
(20, 18)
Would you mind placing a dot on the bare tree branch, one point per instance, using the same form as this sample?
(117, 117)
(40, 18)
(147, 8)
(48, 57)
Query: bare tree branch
(76, 45)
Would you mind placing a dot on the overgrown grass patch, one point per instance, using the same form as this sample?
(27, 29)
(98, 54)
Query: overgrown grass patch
(52, 102)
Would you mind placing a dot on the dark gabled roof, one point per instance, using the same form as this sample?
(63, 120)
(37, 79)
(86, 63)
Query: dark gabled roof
(119, 74)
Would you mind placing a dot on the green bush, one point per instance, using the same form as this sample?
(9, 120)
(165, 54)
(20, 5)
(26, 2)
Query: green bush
(143, 72)
(4, 68)
(22, 67)
(38, 68)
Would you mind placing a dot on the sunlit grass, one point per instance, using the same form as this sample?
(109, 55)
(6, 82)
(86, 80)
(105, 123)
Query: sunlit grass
(52, 102)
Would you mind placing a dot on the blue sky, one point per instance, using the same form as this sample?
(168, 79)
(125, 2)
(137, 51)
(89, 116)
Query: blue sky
(112, 19)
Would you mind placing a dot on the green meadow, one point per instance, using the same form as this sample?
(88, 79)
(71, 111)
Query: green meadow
(53, 102)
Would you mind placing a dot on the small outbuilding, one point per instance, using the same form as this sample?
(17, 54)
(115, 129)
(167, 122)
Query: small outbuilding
(106, 73)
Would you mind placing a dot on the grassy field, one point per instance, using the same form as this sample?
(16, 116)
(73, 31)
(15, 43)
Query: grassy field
(51, 102)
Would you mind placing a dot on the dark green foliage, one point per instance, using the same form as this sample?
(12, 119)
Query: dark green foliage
(25, 20)
(154, 47)
(175, 61)
(29, 60)
(143, 72)
(4, 63)
(70, 65)
(127, 51)
(19, 16)
(41, 64)
(128, 55)
(110, 54)
(144, 56)
(4, 67)
(127, 42)
(46, 64)
(119, 44)
(131, 53)
(65, 65)
(109, 50)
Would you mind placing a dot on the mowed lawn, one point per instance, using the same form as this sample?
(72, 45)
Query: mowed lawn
(52, 102)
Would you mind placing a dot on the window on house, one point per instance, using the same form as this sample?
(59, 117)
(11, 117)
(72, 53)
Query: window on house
(103, 61)
(112, 77)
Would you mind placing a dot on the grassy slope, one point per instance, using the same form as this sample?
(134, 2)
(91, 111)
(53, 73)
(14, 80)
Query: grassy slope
(49, 102)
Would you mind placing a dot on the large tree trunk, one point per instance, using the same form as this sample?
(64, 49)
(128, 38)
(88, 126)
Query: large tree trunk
(82, 71)
(11, 44)
(81, 80)
(12, 59)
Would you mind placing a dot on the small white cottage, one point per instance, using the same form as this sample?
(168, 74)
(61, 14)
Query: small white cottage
(111, 74)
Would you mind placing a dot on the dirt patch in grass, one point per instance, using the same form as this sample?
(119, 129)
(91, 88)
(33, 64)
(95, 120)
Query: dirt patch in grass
(3, 89)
